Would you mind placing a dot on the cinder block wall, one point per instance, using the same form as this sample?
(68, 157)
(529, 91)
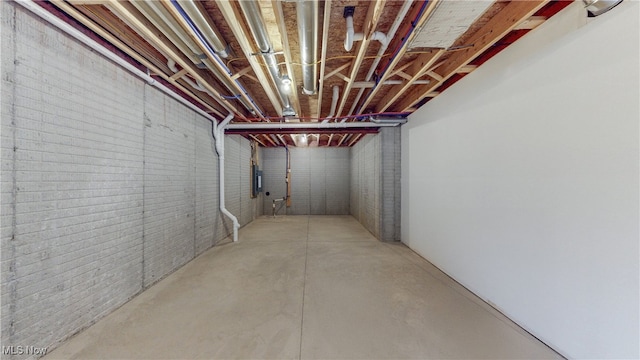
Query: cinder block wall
(108, 185)
(319, 180)
(375, 183)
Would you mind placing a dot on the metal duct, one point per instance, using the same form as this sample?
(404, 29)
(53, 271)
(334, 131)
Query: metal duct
(308, 34)
(207, 29)
(256, 25)
(599, 7)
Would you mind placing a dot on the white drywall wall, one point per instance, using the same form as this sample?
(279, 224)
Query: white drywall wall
(521, 182)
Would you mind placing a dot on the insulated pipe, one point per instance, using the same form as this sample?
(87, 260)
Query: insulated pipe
(351, 34)
(256, 25)
(203, 24)
(334, 102)
(160, 17)
(308, 35)
(219, 138)
(78, 35)
(223, 67)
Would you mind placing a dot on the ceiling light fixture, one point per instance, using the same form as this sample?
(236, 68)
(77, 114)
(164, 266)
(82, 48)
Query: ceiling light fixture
(286, 84)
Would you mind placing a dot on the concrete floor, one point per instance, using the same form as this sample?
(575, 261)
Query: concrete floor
(311, 287)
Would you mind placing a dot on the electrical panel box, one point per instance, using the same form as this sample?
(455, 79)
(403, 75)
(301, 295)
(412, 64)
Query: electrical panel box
(257, 180)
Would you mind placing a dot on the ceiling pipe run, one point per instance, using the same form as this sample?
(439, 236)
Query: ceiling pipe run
(308, 11)
(258, 29)
(225, 77)
(205, 26)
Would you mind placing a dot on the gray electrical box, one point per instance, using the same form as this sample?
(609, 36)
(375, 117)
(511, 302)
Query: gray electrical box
(257, 180)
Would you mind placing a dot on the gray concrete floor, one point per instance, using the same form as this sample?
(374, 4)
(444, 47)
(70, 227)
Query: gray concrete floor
(310, 287)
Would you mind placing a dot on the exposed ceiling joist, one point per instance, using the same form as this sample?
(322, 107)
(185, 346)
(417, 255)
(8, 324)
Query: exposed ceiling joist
(242, 35)
(496, 28)
(431, 5)
(370, 24)
(279, 16)
(419, 66)
(146, 29)
(135, 55)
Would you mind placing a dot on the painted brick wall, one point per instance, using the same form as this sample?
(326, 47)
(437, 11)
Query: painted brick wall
(319, 180)
(169, 185)
(365, 182)
(72, 175)
(107, 184)
(375, 183)
(207, 185)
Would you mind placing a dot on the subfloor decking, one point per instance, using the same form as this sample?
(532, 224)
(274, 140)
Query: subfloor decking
(310, 287)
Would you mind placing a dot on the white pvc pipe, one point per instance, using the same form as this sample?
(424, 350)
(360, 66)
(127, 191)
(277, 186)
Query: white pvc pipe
(351, 34)
(334, 102)
(219, 137)
(76, 34)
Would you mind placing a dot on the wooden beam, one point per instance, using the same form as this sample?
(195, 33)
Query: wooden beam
(129, 51)
(258, 140)
(467, 69)
(431, 5)
(336, 71)
(355, 139)
(531, 23)
(242, 72)
(284, 143)
(435, 75)
(404, 75)
(269, 139)
(422, 63)
(144, 28)
(323, 55)
(495, 29)
(343, 77)
(343, 139)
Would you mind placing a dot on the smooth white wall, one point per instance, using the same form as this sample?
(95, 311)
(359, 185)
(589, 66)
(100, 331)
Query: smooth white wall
(521, 182)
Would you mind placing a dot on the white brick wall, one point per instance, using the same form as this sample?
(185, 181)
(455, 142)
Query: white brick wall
(169, 185)
(112, 185)
(375, 183)
(207, 213)
(75, 235)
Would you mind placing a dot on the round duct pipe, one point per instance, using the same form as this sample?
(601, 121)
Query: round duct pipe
(599, 7)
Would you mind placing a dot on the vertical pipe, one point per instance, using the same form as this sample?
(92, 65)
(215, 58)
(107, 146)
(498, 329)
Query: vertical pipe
(288, 176)
(220, 150)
